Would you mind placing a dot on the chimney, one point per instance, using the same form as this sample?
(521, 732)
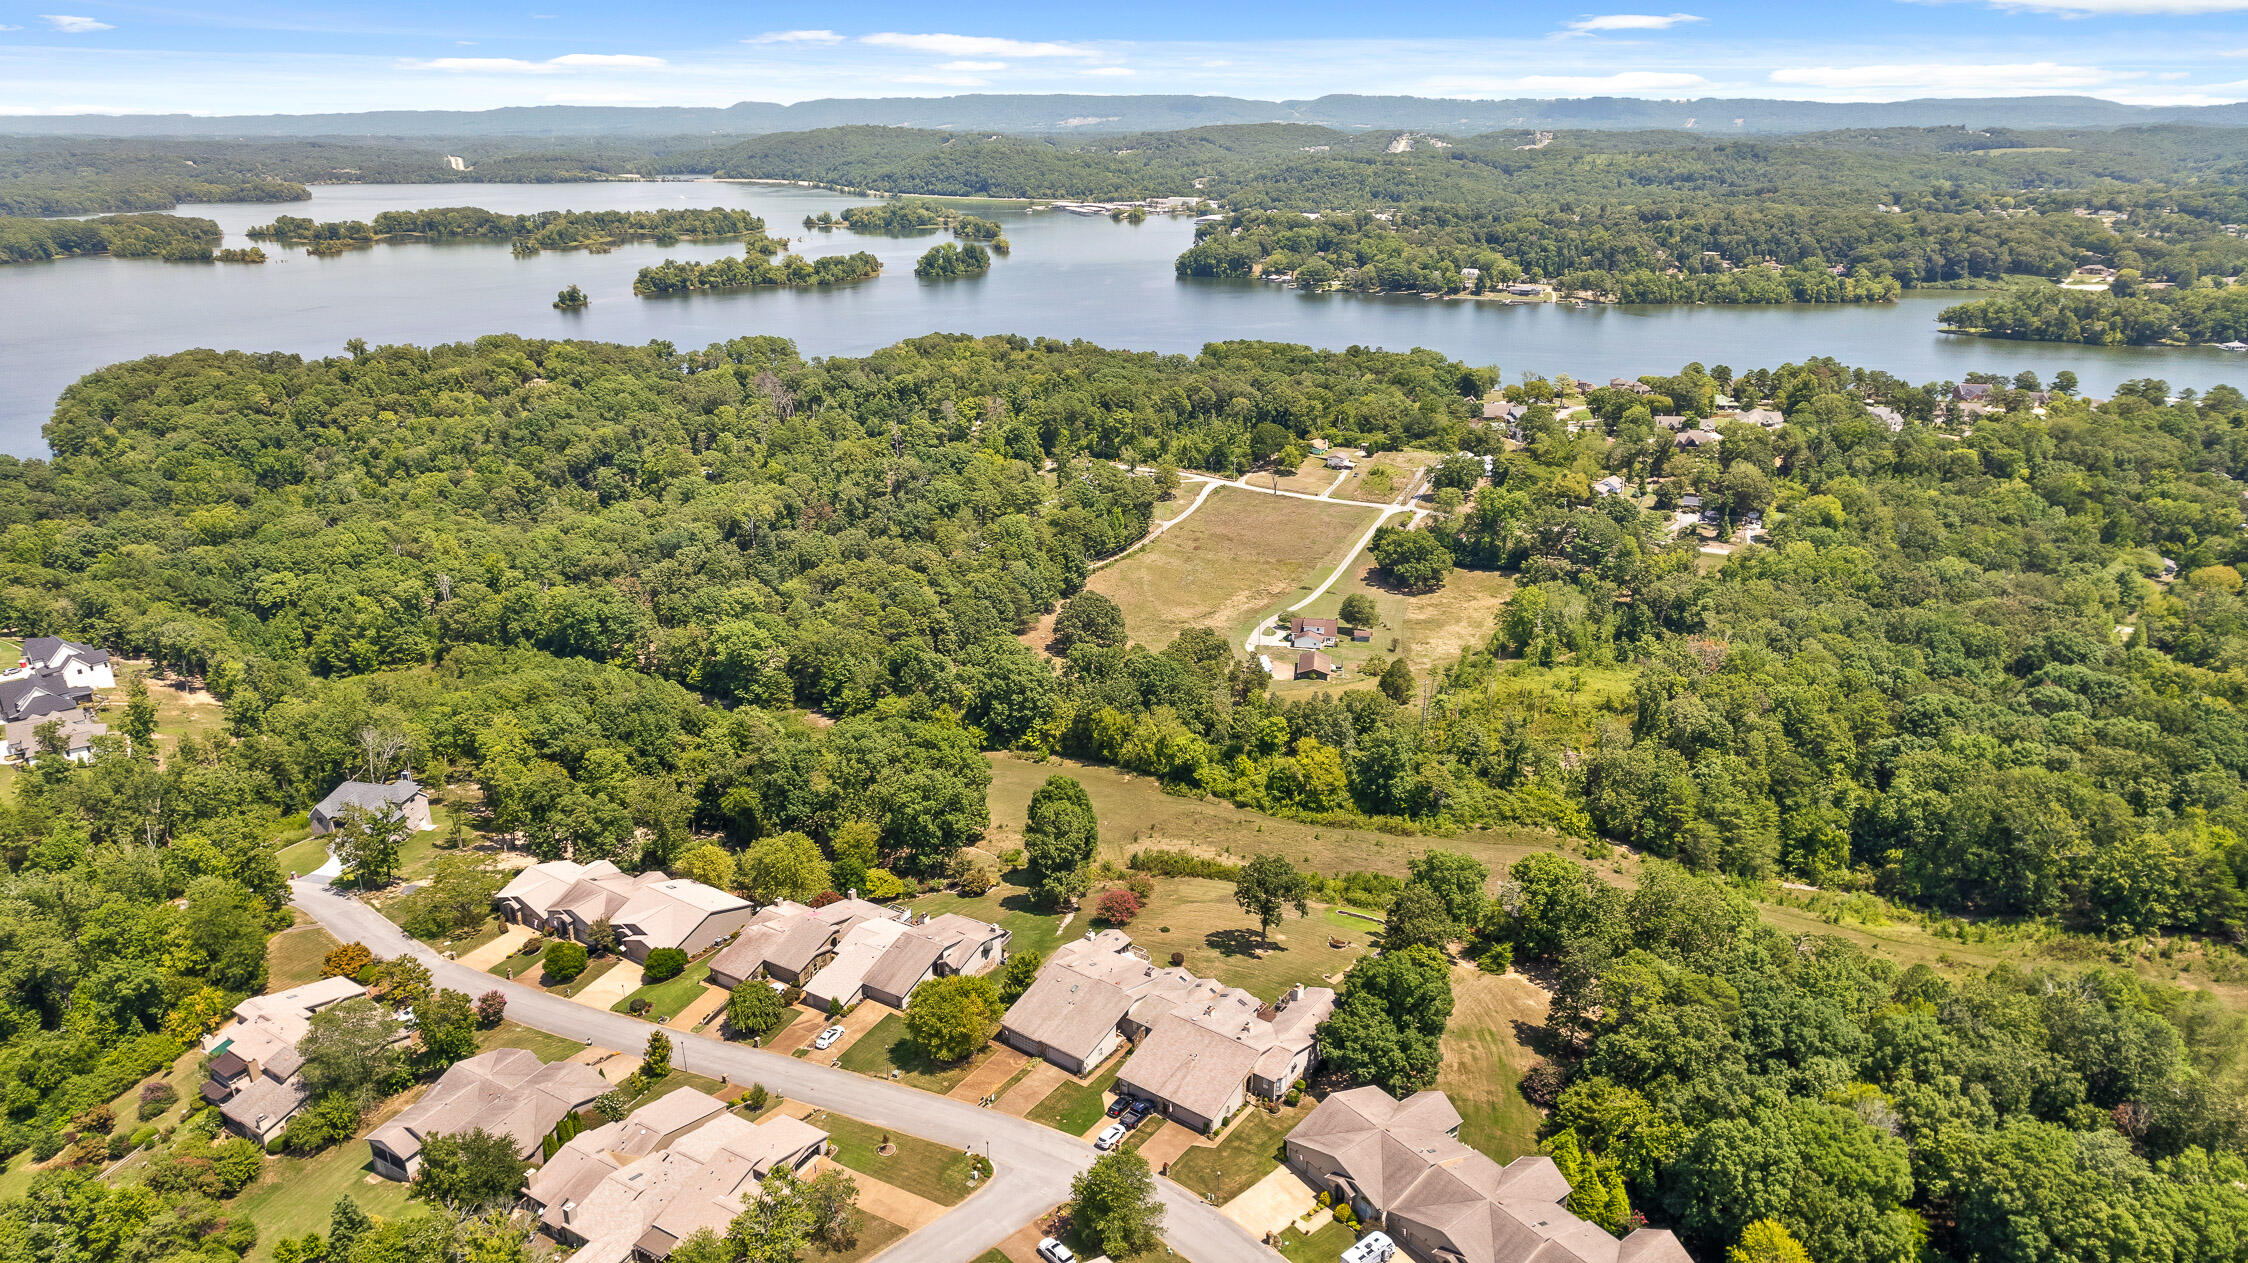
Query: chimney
(569, 1212)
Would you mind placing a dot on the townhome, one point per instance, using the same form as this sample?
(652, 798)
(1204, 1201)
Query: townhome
(252, 1061)
(647, 911)
(506, 1092)
(1198, 1067)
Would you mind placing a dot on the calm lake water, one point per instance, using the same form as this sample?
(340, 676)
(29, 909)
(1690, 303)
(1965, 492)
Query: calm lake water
(1069, 277)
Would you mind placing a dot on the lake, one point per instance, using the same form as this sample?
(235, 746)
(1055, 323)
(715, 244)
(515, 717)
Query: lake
(1069, 277)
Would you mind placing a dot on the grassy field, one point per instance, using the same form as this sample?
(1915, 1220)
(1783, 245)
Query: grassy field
(515, 1035)
(667, 999)
(1009, 907)
(1427, 630)
(1199, 918)
(293, 957)
(1249, 1153)
(876, 1234)
(934, 1171)
(888, 1047)
(1229, 565)
(1399, 469)
(293, 1195)
(1135, 812)
(1073, 1106)
(1484, 1057)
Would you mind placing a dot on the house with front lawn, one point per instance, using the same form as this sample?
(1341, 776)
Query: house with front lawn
(506, 1092)
(75, 731)
(633, 1190)
(1200, 1064)
(646, 910)
(401, 798)
(1401, 1167)
(79, 666)
(251, 1063)
(789, 942)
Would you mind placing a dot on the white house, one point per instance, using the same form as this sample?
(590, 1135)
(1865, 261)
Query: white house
(80, 666)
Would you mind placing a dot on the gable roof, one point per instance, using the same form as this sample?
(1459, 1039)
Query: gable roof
(507, 1092)
(1189, 1065)
(52, 650)
(367, 796)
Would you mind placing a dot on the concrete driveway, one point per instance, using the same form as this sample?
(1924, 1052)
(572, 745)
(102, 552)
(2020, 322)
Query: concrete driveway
(1033, 1165)
(498, 949)
(1273, 1202)
(855, 1023)
(603, 992)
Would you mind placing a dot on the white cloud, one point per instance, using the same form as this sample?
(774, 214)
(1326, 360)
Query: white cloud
(972, 67)
(795, 37)
(1595, 23)
(1111, 71)
(2031, 76)
(944, 81)
(628, 61)
(595, 98)
(553, 65)
(5, 27)
(71, 24)
(1598, 85)
(976, 45)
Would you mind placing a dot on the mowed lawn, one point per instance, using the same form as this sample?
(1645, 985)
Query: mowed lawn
(937, 1172)
(1198, 917)
(1036, 930)
(1135, 813)
(1427, 630)
(294, 956)
(1484, 1057)
(1249, 1152)
(890, 1047)
(1229, 565)
(669, 998)
(1075, 1106)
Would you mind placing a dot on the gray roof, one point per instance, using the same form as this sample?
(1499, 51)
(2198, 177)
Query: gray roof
(367, 796)
(43, 649)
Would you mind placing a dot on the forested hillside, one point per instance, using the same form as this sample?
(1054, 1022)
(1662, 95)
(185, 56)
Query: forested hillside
(599, 582)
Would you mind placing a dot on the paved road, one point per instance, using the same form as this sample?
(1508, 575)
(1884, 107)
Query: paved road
(1033, 1165)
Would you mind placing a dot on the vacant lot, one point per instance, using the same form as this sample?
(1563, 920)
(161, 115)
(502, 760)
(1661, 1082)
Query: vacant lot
(1199, 919)
(294, 956)
(1382, 478)
(1485, 1055)
(1135, 813)
(1229, 564)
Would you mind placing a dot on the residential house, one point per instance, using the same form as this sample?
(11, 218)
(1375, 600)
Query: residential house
(1766, 418)
(633, 1190)
(1888, 416)
(791, 943)
(1971, 392)
(1339, 461)
(1690, 504)
(40, 695)
(75, 730)
(1091, 995)
(1503, 412)
(1669, 421)
(1199, 1063)
(80, 666)
(252, 1061)
(1402, 1168)
(401, 798)
(1612, 485)
(1633, 385)
(1524, 289)
(648, 910)
(1698, 438)
(506, 1092)
(1314, 665)
(884, 959)
(1320, 632)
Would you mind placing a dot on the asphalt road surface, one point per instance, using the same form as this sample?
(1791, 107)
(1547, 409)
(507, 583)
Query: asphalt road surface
(1032, 1164)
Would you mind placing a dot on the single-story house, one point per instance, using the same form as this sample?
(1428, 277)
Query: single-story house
(884, 960)
(80, 666)
(252, 1061)
(1670, 421)
(1689, 504)
(790, 942)
(75, 729)
(1698, 438)
(1340, 461)
(1401, 1167)
(1609, 486)
(506, 1092)
(1314, 665)
(1200, 1064)
(1767, 418)
(401, 798)
(635, 1189)
(647, 910)
(1324, 628)
(1090, 996)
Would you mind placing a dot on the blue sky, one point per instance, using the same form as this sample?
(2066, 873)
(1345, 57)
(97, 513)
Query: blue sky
(256, 56)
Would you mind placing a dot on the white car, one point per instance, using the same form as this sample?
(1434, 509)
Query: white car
(1110, 1136)
(828, 1037)
(1054, 1251)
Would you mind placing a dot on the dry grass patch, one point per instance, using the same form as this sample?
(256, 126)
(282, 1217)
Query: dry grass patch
(1485, 1055)
(294, 956)
(1229, 564)
(1199, 919)
(1366, 486)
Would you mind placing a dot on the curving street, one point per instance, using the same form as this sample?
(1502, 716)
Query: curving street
(1032, 1164)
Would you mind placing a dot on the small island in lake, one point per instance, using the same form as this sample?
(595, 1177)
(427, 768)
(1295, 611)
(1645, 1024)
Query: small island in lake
(747, 270)
(948, 261)
(594, 231)
(571, 298)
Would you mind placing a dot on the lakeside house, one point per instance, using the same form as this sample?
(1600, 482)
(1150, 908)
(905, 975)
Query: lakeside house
(1401, 1167)
(252, 1064)
(647, 911)
(506, 1092)
(634, 1189)
(401, 798)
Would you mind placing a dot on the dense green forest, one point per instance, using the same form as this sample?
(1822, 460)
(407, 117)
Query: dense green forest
(2136, 317)
(531, 233)
(945, 261)
(905, 215)
(174, 237)
(598, 581)
(749, 270)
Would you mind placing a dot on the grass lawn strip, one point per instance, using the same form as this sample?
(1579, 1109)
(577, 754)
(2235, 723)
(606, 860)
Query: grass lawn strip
(1250, 1152)
(1483, 1061)
(1075, 1106)
(1323, 1246)
(876, 1234)
(668, 998)
(889, 1047)
(924, 1167)
(294, 956)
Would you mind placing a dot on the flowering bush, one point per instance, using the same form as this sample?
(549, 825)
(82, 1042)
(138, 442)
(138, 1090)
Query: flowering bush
(1117, 906)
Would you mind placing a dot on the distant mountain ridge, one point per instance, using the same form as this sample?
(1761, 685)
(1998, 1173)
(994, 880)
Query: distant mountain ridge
(1076, 114)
